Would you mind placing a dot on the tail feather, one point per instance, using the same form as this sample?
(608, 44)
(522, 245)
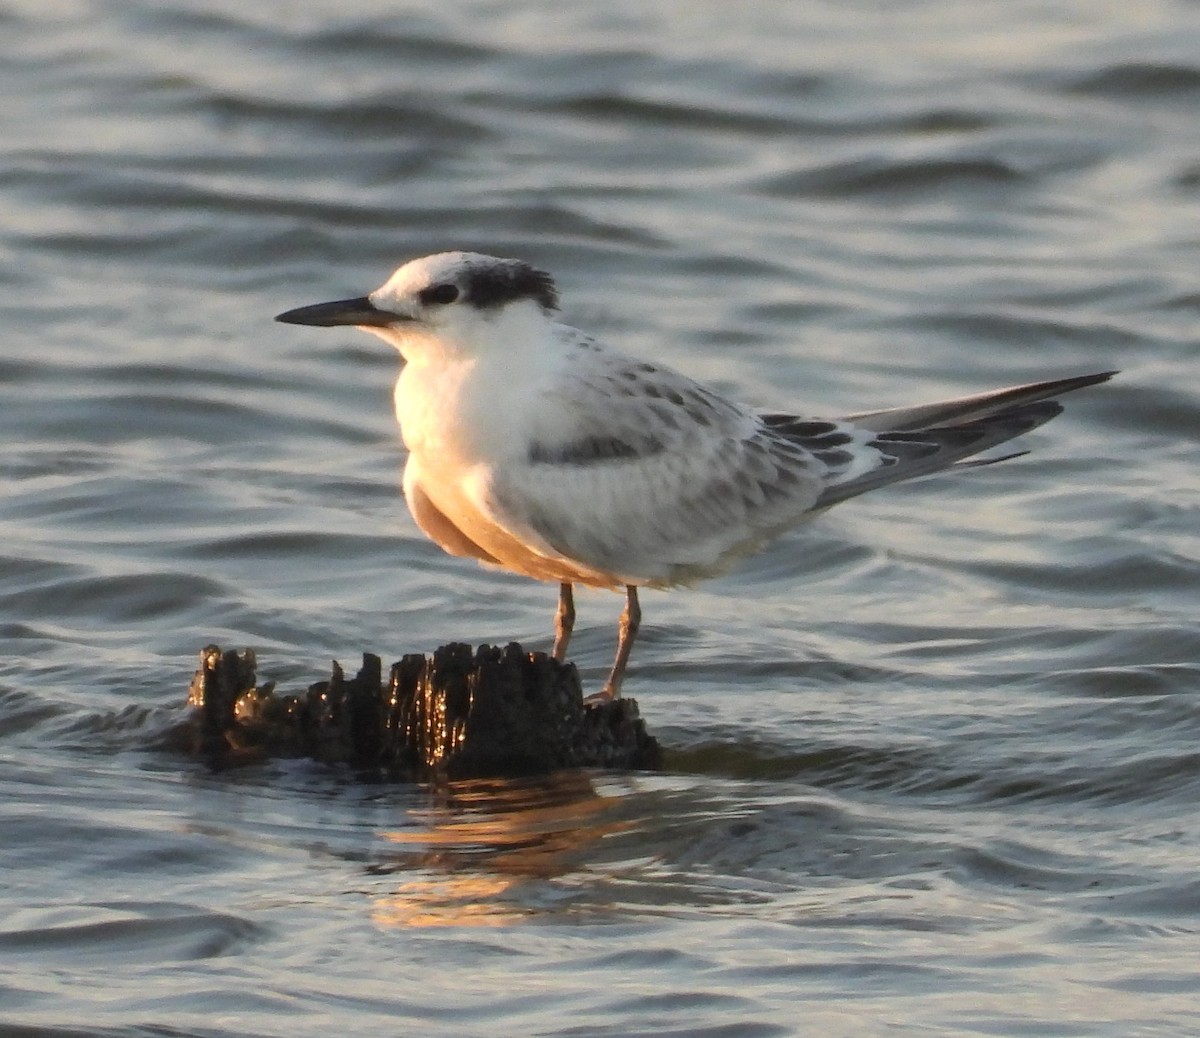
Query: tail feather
(907, 455)
(917, 441)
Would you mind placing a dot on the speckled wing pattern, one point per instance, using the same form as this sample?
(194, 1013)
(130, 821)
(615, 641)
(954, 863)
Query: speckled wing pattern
(641, 473)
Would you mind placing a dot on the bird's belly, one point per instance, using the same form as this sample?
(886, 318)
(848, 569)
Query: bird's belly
(447, 516)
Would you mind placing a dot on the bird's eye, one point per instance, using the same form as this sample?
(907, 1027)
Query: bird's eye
(438, 294)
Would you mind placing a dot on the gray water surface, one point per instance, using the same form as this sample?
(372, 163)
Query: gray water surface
(932, 760)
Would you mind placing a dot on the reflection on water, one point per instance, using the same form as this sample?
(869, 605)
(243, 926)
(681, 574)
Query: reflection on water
(466, 858)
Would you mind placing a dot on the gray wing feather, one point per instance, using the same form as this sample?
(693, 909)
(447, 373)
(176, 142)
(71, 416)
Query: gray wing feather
(909, 454)
(643, 474)
(640, 472)
(916, 441)
(970, 408)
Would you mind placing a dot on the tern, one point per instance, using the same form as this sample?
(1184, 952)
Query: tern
(535, 448)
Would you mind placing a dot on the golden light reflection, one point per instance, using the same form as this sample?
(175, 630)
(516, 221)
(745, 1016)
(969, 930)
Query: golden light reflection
(471, 858)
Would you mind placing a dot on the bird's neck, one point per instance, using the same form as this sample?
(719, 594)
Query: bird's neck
(465, 406)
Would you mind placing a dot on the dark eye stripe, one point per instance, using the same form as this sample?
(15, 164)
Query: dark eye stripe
(438, 295)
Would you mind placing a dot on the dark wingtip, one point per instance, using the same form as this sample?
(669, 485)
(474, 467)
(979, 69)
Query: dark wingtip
(977, 463)
(1068, 385)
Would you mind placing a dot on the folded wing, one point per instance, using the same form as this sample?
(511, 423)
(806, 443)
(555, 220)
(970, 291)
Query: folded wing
(639, 472)
(645, 475)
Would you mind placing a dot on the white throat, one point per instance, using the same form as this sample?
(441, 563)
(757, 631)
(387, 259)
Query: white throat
(465, 390)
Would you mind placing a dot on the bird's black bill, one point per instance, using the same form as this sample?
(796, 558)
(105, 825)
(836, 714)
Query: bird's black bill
(340, 312)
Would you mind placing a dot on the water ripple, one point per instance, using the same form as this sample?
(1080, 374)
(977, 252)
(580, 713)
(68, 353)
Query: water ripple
(935, 750)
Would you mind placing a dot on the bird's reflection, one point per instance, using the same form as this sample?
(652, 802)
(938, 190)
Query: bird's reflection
(480, 853)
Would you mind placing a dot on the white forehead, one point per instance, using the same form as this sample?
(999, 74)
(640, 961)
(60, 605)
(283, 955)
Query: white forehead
(485, 283)
(428, 270)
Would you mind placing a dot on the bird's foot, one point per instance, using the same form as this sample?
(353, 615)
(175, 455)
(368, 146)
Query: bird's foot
(606, 695)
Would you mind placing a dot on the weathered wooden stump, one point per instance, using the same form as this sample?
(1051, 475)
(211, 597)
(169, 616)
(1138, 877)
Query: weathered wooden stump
(461, 713)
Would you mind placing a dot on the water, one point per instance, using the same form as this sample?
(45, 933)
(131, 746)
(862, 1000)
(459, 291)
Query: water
(932, 762)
